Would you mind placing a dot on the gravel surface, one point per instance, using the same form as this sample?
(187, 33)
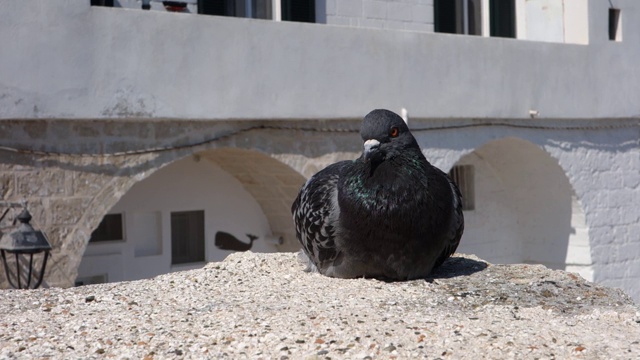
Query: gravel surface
(264, 306)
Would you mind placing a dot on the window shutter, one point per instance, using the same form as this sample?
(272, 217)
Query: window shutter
(502, 18)
(187, 237)
(299, 10)
(464, 177)
(107, 3)
(212, 7)
(445, 16)
(110, 229)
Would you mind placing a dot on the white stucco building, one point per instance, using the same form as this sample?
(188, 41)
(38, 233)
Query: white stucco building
(186, 133)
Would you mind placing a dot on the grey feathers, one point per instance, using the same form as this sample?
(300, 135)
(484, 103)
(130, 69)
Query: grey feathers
(388, 214)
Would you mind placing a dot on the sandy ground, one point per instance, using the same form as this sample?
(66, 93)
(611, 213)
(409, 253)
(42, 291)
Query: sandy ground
(264, 306)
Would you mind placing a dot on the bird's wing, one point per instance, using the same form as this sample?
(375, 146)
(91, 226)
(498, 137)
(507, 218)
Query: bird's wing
(456, 227)
(316, 213)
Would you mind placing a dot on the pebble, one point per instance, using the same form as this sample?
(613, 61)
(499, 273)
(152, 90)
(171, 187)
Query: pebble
(265, 306)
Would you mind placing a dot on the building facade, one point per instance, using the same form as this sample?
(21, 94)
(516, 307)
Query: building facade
(154, 141)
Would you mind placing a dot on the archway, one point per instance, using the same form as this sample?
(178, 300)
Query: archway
(192, 211)
(525, 209)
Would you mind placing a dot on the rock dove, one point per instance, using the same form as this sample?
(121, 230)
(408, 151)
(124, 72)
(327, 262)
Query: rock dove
(388, 214)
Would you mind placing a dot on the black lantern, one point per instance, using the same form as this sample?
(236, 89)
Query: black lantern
(24, 240)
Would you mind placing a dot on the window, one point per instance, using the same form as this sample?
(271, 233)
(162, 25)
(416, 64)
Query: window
(502, 18)
(299, 10)
(110, 229)
(261, 9)
(458, 16)
(466, 17)
(187, 237)
(221, 7)
(615, 31)
(463, 176)
(257, 9)
(290, 10)
(108, 3)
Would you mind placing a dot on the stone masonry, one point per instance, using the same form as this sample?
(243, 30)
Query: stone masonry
(72, 172)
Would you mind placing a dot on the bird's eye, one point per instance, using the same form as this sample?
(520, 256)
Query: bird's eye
(394, 132)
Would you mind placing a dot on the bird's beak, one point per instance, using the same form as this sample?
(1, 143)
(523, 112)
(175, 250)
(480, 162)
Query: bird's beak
(371, 146)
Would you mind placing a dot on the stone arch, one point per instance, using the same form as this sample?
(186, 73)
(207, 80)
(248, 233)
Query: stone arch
(526, 209)
(272, 183)
(260, 179)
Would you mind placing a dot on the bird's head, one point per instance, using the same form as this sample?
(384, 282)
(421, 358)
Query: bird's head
(385, 135)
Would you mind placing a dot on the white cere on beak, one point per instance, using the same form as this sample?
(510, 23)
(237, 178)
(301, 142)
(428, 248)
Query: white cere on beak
(371, 144)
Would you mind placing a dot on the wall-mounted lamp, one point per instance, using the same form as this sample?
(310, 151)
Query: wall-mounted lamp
(24, 240)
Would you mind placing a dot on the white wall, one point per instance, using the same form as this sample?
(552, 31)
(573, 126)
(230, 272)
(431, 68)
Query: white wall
(560, 21)
(65, 59)
(492, 228)
(600, 159)
(579, 251)
(544, 20)
(524, 210)
(184, 185)
(393, 15)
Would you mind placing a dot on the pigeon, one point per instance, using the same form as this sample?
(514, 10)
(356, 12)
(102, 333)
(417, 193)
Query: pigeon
(388, 214)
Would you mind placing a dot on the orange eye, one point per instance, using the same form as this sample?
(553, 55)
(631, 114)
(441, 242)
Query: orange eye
(394, 132)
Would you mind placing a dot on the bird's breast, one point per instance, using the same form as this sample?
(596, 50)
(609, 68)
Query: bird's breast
(380, 203)
(404, 200)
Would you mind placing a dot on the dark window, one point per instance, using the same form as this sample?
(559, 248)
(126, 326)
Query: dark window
(464, 177)
(261, 9)
(221, 7)
(108, 3)
(502, 18)
(258, 9)
(458, 16)
(445, 16)
(110, 229)
(614, 24)
(299, 10)
(187, 237)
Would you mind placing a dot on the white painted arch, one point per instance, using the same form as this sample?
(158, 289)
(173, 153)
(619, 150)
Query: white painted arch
(241, 192)
(526, 209)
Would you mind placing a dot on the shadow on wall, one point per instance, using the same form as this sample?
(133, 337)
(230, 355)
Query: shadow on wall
(525, 210)
(226, 241)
